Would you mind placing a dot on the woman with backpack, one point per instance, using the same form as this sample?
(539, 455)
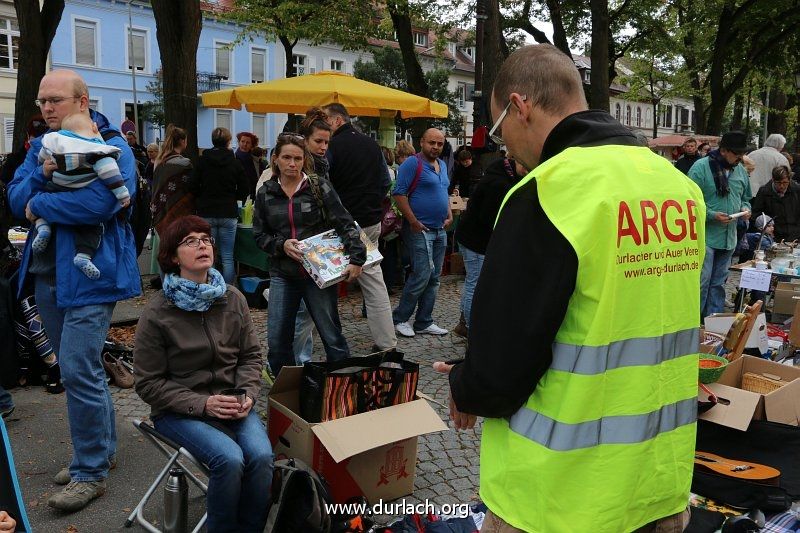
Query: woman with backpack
(198, 365)
(291, 206)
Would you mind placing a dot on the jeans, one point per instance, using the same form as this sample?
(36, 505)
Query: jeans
(376, 299)
(712, 281)
(303, 343)
(239, 486)
(427, 255)
(6, 402)
(473, 263)
(78, 335)
(223, 230)
(284, 300)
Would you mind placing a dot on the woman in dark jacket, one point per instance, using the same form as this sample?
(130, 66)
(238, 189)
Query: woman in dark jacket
(244, 154)
(194, 341)
(218, 183)
(475, 228)
(171, 175)
(291, 207)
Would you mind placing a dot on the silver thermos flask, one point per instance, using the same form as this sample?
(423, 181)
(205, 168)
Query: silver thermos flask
(176, 502)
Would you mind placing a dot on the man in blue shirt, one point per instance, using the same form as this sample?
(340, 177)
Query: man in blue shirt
(426, 213)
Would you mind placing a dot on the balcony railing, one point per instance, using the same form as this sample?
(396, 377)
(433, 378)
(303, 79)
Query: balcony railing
(208, 81)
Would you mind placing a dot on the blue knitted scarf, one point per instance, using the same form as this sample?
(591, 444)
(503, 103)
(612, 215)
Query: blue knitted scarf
(191, 296)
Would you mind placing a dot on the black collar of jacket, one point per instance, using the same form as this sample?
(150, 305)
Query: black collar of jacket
(343, 128)
(592, 127)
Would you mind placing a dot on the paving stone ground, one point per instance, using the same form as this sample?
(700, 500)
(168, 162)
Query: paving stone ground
(447, 466)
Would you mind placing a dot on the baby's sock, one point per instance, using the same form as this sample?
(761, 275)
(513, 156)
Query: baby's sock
(84, 262)
(42, 236)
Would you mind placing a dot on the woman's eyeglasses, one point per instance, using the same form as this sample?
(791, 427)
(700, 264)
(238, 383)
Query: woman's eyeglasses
(194, 242)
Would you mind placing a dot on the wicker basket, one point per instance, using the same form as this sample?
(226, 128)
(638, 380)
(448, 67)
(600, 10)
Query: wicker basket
(760, 383)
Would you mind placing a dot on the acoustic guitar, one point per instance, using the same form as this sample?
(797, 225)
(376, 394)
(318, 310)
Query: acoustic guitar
(737, 469)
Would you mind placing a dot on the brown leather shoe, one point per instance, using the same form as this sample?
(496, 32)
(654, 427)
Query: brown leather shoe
(122, 376)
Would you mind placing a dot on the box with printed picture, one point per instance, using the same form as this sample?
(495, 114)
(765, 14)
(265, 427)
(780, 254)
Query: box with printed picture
(325, 259)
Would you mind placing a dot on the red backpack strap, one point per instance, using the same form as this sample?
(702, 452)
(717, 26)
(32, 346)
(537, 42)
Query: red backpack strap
(417, 175)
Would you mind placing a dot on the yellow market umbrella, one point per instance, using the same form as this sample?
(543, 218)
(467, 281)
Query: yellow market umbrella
(296, 95)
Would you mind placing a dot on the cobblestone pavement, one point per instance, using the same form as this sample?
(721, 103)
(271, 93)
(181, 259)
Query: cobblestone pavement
(447, 466)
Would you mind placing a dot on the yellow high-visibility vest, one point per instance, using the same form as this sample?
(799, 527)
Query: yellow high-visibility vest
(606, 441)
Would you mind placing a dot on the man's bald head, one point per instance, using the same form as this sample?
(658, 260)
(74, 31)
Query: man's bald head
(63, 92)
(432, 143)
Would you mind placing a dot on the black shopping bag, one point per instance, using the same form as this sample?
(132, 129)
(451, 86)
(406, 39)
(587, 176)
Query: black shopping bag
(332, 390)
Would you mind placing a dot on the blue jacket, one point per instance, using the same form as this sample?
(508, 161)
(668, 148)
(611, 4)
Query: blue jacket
(93, 204)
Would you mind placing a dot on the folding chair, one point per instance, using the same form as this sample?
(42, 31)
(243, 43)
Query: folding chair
(175, 453)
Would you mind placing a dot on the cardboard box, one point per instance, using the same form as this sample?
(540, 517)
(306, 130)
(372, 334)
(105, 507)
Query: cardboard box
(721, 323)
(458, 203)
(325, 259)
(786, 297)
(737, 407)
(371, 454)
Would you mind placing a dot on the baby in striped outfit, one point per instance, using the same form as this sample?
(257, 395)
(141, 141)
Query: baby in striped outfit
(82, 157)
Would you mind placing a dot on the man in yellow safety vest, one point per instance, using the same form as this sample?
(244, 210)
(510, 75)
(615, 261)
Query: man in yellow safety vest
(583, 346)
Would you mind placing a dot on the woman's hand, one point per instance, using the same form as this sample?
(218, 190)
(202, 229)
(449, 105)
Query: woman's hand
(352, 272)
(223, 407)
(290, 246)
(244, 410)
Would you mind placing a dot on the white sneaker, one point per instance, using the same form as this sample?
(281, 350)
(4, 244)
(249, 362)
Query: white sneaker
(433, 329)
(404, 329)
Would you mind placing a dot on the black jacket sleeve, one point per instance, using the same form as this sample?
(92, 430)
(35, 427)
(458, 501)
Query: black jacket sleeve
(521, 299)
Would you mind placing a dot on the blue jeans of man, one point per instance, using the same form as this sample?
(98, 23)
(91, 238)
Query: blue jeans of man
(473, 263)
(284, 300)
(224, 232)
(239, 486)
(6, 402)
(303, 343)
(78, 335)
(712, 281)
(427, 255)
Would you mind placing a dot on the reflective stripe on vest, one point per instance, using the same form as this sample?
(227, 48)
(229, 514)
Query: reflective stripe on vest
(609, 430)
(591, 360)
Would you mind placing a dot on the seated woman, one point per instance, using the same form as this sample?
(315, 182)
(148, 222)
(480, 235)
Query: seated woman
(194, 340)
(290, 207)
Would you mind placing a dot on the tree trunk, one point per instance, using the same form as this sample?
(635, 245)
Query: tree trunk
(777, 111)
(417, 84)
(178, 33)
(655, 119)
(738, 112)
(36, 32)
(492, 54)
(288, 52)
(599, 95)
(559, 33)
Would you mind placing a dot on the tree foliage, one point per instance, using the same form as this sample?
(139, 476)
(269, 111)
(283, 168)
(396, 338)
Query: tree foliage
(153, 110)
(387, 69)
(348, 23)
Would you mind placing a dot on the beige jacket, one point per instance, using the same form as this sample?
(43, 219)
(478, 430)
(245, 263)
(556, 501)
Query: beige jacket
(183, 357)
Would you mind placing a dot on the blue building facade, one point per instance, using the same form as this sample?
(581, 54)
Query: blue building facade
(93, 39)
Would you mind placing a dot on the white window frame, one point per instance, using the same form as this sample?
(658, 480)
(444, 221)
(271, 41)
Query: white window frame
(305, 64)
(262, 50)
(461, 93)
(343, 62)
(638, 116)
(9, 34)
(469, 51)
(8, 138)
(99, 101)
(224, 45)
(422, 41)
(648, 117)
(261, 134)
(618, 112)
(218, 112)
(77, 20)
(146, 31)
(627, 115)
(452, 48)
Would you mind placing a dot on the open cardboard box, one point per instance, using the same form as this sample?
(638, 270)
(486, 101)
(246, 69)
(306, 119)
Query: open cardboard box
(458, 203)
(371, 454)
(738, 407)
(721, 323)
(787, 295)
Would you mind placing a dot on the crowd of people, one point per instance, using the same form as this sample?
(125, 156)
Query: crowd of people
(547, 379)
